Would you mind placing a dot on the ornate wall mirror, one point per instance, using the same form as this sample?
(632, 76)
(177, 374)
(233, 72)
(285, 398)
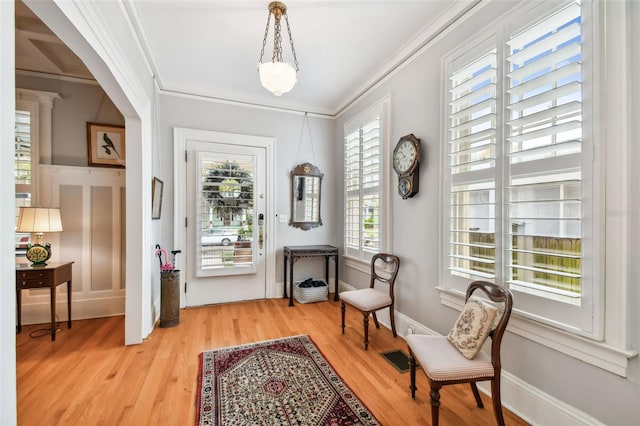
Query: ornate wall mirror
(306, 183)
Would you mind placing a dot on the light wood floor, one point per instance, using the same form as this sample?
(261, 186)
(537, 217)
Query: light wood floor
(88, 377)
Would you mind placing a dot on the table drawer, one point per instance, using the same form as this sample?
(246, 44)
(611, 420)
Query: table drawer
(33, 279)
(34, 275)
(33, 283)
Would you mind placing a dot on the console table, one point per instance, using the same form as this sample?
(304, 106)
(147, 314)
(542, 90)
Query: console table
(49, 276)
(293, 253)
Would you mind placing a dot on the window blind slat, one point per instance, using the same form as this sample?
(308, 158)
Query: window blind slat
(548, 79)
(550, 61)
(546, 97)
(463, 86)
(541, 44)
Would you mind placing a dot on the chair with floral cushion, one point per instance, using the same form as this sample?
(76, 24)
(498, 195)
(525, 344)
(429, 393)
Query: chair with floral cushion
(384, 269)
(457, 357)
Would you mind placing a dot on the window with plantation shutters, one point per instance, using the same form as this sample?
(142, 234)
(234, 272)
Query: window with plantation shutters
(544, 163)
(472, 162)
(24, 167)
(364, 192)
(516, 161)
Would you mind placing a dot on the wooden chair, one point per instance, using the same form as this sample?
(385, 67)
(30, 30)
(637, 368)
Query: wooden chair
(384, 268)
(444, 364)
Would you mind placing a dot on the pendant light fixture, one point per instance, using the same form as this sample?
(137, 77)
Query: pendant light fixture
(277, 76)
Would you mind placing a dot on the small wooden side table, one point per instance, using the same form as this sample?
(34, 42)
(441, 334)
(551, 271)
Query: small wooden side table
(293, 253)
(49, 276)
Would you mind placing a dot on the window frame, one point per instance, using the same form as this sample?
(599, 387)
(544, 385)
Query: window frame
(381, 109)
(607, 346)
(40, 106)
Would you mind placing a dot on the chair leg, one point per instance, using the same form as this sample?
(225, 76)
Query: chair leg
(412, 373)
(366, 331)
(375, 319)
(497, 401)
(393, 321)
(435, 404)
(342, 309)
(476, 394)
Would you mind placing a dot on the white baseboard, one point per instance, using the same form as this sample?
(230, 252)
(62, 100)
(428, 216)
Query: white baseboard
(40, 313)
(527, 402)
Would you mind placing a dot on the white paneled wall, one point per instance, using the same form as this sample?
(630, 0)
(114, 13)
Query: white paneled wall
(91, 202)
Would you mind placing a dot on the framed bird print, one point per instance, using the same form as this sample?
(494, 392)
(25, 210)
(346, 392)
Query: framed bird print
(106, 145)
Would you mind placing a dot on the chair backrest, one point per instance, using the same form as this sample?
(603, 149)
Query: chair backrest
(496, 294)
(384, 268)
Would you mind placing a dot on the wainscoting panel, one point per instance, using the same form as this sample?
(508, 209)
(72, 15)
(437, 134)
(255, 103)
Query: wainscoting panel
(92, 208)
(101, 240)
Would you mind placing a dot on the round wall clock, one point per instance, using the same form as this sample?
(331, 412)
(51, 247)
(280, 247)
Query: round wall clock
(406, 163)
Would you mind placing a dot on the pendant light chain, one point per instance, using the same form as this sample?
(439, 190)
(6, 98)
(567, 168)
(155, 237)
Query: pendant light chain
(293, 50)
(266, 34)
(277, 40)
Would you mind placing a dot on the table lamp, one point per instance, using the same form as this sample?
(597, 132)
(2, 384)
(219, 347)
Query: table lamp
(39, 220)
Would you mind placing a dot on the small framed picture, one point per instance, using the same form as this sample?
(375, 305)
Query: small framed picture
(156, 198)
(106, 145)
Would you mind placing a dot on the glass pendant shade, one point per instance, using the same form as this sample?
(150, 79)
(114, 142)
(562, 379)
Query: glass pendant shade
(277, 77)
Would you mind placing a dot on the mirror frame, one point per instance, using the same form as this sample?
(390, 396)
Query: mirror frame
(305, 170)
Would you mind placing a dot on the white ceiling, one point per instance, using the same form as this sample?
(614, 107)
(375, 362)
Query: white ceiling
(211, 47)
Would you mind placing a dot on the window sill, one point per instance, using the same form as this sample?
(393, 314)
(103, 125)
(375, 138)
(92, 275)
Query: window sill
(357, 264)
(599, 354)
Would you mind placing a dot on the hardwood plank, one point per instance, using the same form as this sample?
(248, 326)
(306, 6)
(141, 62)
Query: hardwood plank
(89, 377)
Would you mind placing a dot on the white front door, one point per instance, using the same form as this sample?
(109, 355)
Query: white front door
(225, 232)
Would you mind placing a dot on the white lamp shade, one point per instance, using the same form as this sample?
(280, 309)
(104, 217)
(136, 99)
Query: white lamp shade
(277, 77)
(37, 219)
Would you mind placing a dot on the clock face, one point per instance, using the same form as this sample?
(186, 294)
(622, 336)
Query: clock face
(404, 156)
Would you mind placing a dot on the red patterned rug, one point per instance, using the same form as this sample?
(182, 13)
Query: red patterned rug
(277, 382)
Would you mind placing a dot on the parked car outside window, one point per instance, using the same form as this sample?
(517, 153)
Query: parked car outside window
(218, 237)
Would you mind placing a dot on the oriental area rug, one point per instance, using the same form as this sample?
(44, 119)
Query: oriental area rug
(277, 382)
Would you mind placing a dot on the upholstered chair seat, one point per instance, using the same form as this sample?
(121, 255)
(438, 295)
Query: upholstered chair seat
(441, 361)
(368, 299)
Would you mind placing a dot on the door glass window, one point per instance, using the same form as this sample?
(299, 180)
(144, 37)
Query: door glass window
(225, 215)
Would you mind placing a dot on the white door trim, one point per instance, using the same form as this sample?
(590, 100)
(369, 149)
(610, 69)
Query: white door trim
(180, 137)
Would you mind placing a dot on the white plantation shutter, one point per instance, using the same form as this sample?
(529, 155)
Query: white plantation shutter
(352, 193)
(472, 160)
(544, 145)
(24, 166)
(519, 169)
(363, 230)
(23, 148)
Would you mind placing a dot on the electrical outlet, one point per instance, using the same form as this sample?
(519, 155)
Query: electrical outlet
(283, 218)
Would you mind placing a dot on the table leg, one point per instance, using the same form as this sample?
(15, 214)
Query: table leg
(291, 262)
(326, 269)
(284, 295)
(335, 293)
(19, 300)
(69, 303)
(53, 313)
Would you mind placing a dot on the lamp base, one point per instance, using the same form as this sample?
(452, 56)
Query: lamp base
(38, 254)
